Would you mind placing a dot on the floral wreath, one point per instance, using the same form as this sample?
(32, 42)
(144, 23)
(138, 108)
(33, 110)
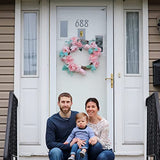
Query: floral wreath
(73, 45)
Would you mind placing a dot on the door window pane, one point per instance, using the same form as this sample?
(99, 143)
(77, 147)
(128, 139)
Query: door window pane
(30, 43)
(132, 42)
(63, 28)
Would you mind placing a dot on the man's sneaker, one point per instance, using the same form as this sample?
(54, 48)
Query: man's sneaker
(71, 158)
(82, 153)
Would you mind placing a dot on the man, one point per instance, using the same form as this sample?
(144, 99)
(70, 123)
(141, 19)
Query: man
(59, 127)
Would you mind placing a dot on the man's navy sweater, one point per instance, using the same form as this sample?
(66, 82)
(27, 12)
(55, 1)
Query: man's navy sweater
(58, 129)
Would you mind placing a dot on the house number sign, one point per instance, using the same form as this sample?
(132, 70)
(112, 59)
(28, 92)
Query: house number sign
(81, 23)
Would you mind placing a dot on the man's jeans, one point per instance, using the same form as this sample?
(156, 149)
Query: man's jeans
(57, 154)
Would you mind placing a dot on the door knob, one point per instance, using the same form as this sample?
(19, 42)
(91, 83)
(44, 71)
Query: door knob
(111, 80)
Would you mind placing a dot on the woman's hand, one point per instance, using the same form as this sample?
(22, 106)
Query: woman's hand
(93, 140)
(81, 143)
(73, 141)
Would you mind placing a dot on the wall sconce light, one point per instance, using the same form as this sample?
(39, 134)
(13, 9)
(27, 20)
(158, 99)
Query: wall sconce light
(158, 24)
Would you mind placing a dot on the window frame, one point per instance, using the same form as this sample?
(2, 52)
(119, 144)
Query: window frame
(140, 43)
(22, 40)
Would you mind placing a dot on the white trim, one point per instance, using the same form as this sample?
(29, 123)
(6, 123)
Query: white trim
(53, 98)
(110, 70)
(82, 3)
(17, 62)
(145, 68)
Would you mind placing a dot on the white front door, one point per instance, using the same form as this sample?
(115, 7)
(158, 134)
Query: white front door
(87, 23)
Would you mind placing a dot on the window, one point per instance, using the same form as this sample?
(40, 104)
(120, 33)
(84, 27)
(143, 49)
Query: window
(30, 43)
(132, 42)
(63, 28)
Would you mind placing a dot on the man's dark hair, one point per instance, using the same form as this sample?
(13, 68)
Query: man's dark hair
(64, 94)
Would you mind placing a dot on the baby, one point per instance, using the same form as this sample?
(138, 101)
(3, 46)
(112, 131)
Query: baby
(82, 132)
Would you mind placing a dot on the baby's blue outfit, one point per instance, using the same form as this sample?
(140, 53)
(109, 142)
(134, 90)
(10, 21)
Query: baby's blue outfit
(81, 133)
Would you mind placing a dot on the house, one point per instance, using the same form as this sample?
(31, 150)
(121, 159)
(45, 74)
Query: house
(34, 32)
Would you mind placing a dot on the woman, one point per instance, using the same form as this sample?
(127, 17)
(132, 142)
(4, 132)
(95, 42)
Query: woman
(100, 127)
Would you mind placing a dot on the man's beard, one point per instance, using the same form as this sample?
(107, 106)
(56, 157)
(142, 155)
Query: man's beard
(64, 111)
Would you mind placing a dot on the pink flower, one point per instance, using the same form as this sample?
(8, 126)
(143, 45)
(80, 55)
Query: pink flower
(68, 59)
(74, 39)
(74, 48)
(96, 64)
(87, 46)
(72, 67)
(66, 49)
(78, 44)
(97, 53)
(93, 58)
(93, 45)
(82, 71)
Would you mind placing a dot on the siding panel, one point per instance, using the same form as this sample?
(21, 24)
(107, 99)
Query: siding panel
(153, 30)
(3, 112)
(9, 14)
(6, 78)
(154, 38)
(6, 54)
(4, 95)
(7, 27)
(6, 62)
(154, 55)
(6, 30)
(3, 127)
(6, 70)
(7, 38)
(7, 22)
(3, 103)
(6, 46)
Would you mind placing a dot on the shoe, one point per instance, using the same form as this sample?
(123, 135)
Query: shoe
(71, 158)
(82, 154)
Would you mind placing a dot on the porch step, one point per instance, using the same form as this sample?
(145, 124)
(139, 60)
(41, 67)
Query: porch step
(34, 157)
(116, 158)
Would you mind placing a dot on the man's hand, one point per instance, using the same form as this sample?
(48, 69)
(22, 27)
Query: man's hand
(93, 140)
(65, 143)
(73, 141)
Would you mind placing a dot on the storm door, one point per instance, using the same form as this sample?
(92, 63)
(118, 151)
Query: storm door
(82, 57)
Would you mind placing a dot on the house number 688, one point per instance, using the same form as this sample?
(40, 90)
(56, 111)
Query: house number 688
(81, 23)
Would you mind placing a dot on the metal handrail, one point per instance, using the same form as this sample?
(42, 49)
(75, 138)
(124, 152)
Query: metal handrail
(10, 147)
(153, 126)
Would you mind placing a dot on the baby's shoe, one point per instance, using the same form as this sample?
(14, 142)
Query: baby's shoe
(71, 158)
(82, 153)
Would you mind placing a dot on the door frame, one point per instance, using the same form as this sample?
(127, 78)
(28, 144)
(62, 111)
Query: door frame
(53, 97)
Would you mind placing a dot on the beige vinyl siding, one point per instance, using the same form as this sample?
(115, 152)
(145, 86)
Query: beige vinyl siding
(154, 42)
(7, 20)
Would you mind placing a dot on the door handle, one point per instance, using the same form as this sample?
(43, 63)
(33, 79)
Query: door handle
(111, 80)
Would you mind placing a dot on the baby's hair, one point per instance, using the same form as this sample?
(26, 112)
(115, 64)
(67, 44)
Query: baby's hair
(81, 115)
